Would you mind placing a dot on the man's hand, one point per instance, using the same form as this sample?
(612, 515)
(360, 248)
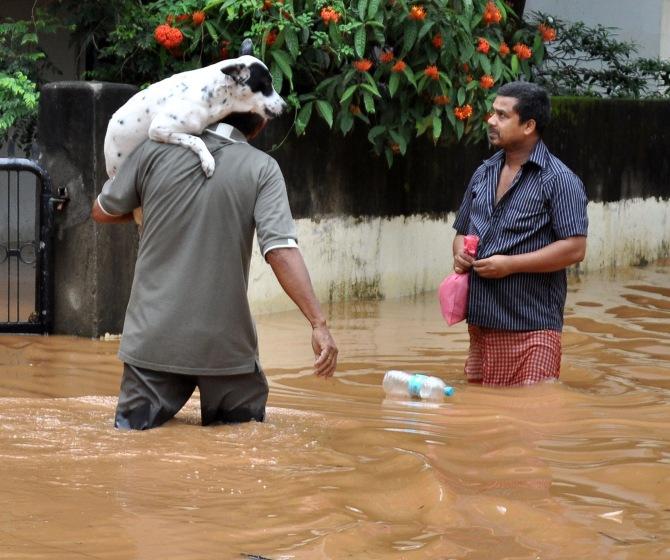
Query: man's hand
(462, 262)
(325, 352)
(497, 266)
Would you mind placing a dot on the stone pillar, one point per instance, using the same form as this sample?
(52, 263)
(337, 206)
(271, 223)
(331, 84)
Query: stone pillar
(93, 262)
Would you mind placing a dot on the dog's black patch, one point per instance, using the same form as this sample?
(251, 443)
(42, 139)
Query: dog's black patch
(260, 79)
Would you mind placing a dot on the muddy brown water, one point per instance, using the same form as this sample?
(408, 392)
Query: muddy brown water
(577, 469)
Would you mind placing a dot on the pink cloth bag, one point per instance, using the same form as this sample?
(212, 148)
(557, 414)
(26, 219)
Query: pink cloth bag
(453, 291)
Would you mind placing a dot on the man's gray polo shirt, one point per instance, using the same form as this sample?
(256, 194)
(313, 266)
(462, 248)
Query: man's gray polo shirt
(188, 310)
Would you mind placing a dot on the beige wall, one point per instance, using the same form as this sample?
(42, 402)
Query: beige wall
(404, 256)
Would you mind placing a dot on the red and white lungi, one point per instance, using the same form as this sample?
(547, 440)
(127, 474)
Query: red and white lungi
(509, 358)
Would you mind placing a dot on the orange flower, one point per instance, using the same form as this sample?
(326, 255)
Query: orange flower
(468, 78)
(395, 148)
(363, 65)
(483, 45)
(463, 113)
(198, 17)
(441, 100)
(522, 51)
(548, 33)
(398, 66)
(417, 13)
(183, 17)
(224, 52)
(329, 14)
(466, 67)
(504, 49)
(267, 4)
(386, 56)
(432, 72)
(437, 41)
(169, 37)
(354, 109)
(271, 38)
(486, 81)
(491, 14)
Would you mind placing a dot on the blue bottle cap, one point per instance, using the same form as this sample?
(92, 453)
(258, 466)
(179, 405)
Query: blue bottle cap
(448, 391)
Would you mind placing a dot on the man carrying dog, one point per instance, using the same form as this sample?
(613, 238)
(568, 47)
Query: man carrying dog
(529, 211)
(188, 321)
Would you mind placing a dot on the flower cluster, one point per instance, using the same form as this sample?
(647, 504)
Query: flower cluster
(464, 112)
(198, 17)
(432, 72)
(503, 50)
(168, 36)
(547, 32)
(524, 52)
(491, 14)
(386, 56)
(417, 13)
(437, 41)
(330, 15)
(486, 81)
(483, 45)
(363, 65)
(441, 100)
(399, 66)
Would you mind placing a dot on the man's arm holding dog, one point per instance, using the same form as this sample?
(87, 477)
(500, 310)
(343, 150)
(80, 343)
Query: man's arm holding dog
(289, 268)
(102, 217)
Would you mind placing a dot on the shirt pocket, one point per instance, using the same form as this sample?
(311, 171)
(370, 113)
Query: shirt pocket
(527, 214)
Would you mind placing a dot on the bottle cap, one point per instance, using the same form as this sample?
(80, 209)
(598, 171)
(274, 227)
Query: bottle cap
(448, 391)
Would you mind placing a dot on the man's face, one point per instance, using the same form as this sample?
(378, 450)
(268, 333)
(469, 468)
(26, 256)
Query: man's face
(505, 129)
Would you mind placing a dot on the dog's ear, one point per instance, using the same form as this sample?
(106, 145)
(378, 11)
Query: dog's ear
(233, 71)
(247, 47)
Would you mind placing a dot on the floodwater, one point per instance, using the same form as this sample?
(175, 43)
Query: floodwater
(573, 470)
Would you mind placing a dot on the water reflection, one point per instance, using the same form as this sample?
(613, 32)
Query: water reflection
(576, 469)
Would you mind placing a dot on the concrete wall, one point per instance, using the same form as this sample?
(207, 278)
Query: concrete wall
(646, 23)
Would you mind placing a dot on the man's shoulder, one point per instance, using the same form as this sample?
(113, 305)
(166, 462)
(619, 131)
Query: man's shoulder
(554, 168)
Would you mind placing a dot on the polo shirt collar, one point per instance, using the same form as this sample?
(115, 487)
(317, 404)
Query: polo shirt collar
(226, 131)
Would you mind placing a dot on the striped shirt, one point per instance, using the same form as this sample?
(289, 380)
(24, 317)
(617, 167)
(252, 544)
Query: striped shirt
(546, 202)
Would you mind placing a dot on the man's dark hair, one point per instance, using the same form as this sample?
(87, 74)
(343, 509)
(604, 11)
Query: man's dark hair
(532, 102)
(246, 123)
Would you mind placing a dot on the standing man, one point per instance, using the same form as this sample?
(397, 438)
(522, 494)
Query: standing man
(529, 211)
(188, 321)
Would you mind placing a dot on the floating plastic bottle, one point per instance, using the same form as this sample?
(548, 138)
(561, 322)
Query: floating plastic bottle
(401, 383)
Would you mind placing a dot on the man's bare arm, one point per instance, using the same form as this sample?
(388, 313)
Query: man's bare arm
(102, 217)
(289, 268)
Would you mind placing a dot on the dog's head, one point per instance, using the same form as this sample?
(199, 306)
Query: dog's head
(254, 91)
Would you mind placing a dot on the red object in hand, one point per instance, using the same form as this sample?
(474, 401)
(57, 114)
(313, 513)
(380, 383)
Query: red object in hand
(453, 291)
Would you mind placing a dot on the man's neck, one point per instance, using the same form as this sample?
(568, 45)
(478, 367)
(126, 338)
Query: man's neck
(516, 156)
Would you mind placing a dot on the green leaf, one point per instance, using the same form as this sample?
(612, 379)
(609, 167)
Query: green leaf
(497, 68)
(437, 127)
(348, 93)
(359, 41)
(389, 156)
(460, 96)
(362, 7)
(425, 28)
(373, 8)
(409, 75)
(303, 118)
(284, 62)
(346, 122)
(277, 77)
(326, 111)
(292, 41)
(485, 63)
(460, 128)
(394, 82)
(372, 89)
(515, 65)
(213, 33)
(375, 131)
(400, 140)
(369, 102)
(409, 39)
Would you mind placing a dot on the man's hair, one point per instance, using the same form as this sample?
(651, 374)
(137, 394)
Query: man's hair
(246, 123)
(532, 102)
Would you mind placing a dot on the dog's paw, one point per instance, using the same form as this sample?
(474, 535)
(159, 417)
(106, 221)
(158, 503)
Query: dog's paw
(208, 165)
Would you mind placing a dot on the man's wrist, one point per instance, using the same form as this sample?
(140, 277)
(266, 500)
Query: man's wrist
(318, 323)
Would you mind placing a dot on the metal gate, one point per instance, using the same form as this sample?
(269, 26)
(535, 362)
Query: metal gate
(27, 207)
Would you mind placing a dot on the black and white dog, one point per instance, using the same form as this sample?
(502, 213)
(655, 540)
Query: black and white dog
(183, 105)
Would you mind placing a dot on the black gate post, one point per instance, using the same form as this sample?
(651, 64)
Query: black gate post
(93, 263)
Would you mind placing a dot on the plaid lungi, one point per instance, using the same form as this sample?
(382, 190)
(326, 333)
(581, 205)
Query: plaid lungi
(508, 358)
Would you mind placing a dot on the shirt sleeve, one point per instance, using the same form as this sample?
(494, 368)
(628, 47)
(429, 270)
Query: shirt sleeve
(462, 222)
(121, 194)
(274, 224)
(568, 206)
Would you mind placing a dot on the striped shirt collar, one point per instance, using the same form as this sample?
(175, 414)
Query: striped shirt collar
(538, 156)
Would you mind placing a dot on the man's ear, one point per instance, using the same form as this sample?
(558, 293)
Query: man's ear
(233, 71)
(529, 126)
